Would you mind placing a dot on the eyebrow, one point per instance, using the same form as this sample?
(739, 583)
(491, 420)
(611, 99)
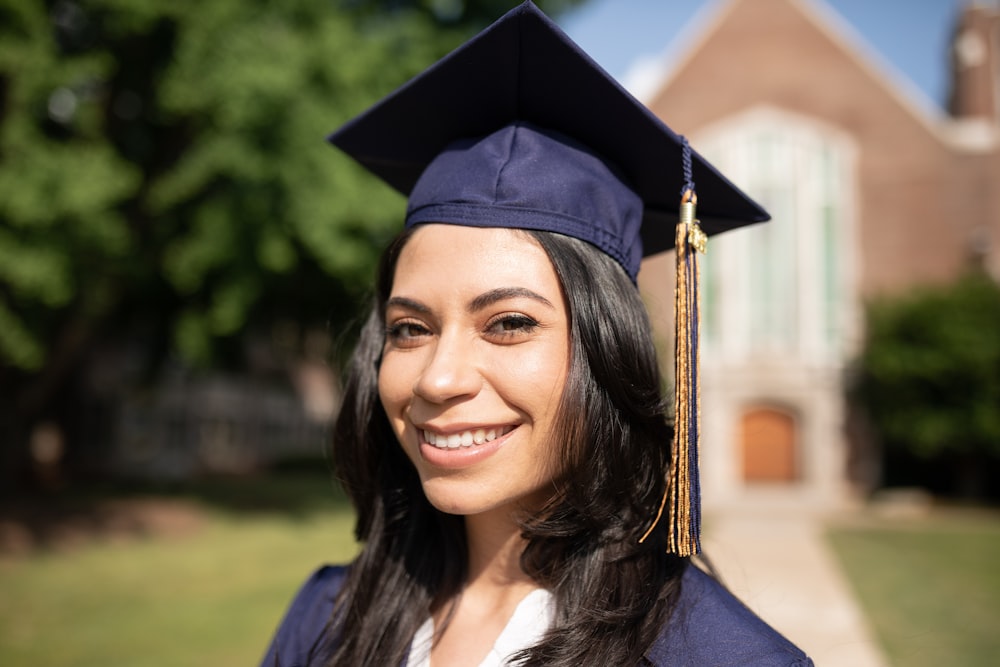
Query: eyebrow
(405, 302)
(487, 299)
(484, 300)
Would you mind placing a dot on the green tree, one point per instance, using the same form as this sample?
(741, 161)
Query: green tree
(930, 373)
(163, 174)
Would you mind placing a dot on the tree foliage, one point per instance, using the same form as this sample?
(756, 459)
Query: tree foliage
(168, 158)
(164, 175)
(930, 372)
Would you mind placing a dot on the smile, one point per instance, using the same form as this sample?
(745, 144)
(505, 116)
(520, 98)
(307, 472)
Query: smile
(468, 438)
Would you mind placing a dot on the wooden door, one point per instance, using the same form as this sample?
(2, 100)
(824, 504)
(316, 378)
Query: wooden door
(769, 446)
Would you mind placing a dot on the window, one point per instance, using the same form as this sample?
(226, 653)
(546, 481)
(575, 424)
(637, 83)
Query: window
(780, 288)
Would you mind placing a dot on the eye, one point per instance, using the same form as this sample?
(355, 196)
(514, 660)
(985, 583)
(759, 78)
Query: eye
(511, 324)
(405, 332)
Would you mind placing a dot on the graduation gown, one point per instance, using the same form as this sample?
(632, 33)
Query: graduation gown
(709, 628)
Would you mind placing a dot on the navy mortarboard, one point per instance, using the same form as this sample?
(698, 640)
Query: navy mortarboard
(520, 128)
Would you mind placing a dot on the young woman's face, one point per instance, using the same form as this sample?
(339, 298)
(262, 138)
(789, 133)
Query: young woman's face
(475, 361)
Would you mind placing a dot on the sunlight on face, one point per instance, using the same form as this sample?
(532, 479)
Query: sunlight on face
(474, 366)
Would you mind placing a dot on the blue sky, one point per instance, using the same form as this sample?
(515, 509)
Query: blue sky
(910, 36)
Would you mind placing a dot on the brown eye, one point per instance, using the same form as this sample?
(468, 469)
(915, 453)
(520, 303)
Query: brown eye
(406, 331)
(511, 324)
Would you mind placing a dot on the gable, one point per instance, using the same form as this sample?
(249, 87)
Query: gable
(794, 54)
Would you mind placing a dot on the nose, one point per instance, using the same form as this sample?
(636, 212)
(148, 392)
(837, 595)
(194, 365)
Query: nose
(451, 371)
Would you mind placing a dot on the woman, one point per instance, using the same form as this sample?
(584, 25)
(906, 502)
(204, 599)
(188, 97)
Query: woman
(503, 436)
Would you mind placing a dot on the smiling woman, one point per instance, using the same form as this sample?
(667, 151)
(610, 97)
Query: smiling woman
(503, 437)
(474, 366)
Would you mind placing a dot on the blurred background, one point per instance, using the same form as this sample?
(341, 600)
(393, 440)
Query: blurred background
(184, 261)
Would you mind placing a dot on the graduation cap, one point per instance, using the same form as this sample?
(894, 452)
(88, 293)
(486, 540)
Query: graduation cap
(520, 128)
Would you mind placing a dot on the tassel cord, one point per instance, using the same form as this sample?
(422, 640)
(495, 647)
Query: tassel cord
(682, 495)
(683, 484)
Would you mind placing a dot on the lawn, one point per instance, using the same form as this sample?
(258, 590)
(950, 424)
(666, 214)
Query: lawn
(212, 593)
(212, 596)
(930, 587)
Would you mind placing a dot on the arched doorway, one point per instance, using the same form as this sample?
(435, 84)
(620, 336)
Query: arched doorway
(769, 442)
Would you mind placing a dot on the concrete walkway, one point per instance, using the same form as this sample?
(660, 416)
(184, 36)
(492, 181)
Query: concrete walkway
(781, 567)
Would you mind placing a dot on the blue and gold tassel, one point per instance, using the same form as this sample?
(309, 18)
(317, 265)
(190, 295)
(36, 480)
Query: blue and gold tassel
(683, 490)
(683, 486)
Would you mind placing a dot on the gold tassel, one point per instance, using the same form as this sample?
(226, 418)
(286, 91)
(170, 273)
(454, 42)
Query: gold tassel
(683, 486)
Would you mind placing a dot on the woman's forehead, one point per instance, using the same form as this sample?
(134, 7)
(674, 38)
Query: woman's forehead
(461, 259)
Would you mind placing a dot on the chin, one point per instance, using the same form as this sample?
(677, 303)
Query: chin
(457, 503)
(461, 500)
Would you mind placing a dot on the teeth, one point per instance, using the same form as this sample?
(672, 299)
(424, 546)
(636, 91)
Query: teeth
(465, 438)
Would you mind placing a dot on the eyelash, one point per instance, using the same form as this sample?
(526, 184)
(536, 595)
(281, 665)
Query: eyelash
(502, 326)
(395, 330)
(522, 324)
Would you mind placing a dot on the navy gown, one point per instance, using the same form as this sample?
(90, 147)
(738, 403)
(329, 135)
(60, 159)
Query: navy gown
(709, 628)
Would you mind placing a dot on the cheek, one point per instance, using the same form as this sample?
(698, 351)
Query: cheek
(542, 379)
(391, 388)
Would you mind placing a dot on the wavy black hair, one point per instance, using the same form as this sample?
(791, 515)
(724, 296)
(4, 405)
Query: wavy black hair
(612, 593)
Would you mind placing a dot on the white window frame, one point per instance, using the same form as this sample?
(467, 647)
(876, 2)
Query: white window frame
(810, 309)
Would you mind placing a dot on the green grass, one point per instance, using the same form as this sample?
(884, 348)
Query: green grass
(929, 587)
(213, 597)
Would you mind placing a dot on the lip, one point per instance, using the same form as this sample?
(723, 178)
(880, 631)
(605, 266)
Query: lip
(460, 457)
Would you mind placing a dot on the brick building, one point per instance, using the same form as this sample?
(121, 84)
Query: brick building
(872, 191)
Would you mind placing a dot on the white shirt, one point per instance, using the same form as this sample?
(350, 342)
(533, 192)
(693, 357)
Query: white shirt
(530, 620)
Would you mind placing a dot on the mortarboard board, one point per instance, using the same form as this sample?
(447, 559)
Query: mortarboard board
(520, 128)
(524, 69)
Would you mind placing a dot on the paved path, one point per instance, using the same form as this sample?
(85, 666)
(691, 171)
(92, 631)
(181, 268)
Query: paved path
(781, 568)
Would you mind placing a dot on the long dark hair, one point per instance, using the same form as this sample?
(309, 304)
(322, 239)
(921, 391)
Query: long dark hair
(612, 593)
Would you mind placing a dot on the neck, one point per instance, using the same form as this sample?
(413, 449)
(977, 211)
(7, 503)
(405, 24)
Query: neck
(495, 548)
(471, 622)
